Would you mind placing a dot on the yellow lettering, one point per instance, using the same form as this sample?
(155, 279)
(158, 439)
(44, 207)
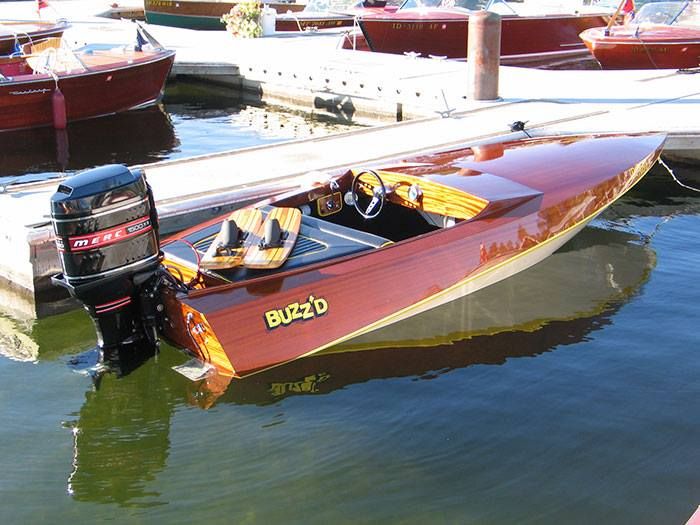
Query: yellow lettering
(295, 312)
(294, 309)
(321, 306)
(286, 316)
(272, 318)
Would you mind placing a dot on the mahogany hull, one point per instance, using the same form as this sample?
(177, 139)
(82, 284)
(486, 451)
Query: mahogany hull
(442, 33)
(25, 32)
(490, 327)
(199, 15)
(662, 47)
(26, 102)
(226, 324)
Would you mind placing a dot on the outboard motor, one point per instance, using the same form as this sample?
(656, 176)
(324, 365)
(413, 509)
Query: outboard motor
(107, 238)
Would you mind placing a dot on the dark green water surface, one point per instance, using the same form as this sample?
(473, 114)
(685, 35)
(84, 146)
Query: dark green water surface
(567, 394)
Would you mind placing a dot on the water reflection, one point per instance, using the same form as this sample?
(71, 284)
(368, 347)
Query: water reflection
(122, 430)
(133, 137)
(121, 437)
(195, 118)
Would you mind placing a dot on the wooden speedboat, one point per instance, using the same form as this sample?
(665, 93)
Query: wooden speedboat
(92, 81)
(14, 34)
(525, 315)
(663, 35)
(200, 14)
(312, 268)
(531, 33)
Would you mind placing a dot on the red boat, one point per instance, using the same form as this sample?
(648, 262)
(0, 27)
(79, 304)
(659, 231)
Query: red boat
(14, 34)
(529, 35)
(320, 265)
(663, 35)
(49, 80)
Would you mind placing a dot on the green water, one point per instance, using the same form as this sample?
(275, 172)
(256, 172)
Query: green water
(567, 394)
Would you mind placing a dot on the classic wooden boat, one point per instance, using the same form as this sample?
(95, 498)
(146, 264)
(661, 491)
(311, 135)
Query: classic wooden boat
(306, 270)
(663, 35)
(200, 14)
(14, 34)
(525, 315)
(531, 33)
(51, 82)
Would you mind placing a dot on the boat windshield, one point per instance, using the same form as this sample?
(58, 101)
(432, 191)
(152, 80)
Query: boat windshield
(324, 6)
(472, 5)
(502, 7)
(668, 13)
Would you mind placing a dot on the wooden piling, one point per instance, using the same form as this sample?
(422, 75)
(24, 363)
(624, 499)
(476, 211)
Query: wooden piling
(483, 55)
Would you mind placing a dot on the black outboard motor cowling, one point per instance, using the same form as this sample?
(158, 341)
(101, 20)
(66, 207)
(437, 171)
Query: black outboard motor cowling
(107, 238)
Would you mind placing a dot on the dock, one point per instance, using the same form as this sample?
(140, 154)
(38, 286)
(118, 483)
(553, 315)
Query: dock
(416, 105)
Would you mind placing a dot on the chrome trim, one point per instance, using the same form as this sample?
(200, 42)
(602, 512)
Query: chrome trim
(127, 204)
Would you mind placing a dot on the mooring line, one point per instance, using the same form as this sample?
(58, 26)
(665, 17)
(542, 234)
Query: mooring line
(670, 171)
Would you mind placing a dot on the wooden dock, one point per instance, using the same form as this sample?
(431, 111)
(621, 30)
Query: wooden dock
(424, 101)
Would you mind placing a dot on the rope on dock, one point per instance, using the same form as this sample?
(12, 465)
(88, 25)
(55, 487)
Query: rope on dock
(670, 171)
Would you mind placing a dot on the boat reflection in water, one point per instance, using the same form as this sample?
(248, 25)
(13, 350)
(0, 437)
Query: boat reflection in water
(132, 137)
(530, 314)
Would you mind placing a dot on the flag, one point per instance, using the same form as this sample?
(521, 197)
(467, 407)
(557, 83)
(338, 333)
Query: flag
(41, 4)
(627, 11)
(140, 40)
(627, 8)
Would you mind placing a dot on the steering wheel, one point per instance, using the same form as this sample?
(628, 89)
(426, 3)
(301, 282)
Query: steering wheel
(378, 195)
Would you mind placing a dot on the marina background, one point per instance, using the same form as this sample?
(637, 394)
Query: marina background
(565, 394)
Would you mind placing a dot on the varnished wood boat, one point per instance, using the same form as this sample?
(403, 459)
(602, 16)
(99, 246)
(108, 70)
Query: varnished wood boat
(363, 250)
(16, 33)
(663, 35)
(532, 32)
(93, 81)
(525, 315)
(200, 14)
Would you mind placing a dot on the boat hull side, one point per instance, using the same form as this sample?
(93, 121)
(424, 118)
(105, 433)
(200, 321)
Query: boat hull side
(619, 52)
(523, 39)
(98, 92)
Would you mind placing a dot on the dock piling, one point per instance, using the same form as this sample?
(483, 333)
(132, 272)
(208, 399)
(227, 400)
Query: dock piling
(483, 55)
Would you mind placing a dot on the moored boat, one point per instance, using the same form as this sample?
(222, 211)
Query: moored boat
(315, 267)
(523, 316)
(16, 33)
(200, 14)
(52, 84)
(532, 32)
(662, 35)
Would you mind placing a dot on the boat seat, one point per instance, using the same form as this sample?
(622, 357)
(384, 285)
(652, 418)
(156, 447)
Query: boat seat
(318, 240)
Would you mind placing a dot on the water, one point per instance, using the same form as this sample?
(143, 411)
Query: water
(196, 119)
(567, 394)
